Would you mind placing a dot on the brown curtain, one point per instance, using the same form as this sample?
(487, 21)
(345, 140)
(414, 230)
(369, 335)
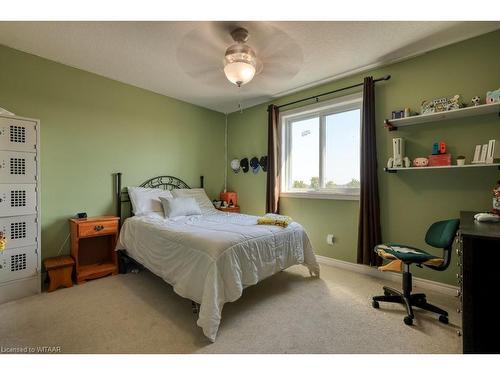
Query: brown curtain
(369, 234)
(273, 160)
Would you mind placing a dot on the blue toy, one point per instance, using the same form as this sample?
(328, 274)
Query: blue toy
(493, 96)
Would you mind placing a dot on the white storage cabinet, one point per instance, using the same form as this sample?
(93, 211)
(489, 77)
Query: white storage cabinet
(19, 207)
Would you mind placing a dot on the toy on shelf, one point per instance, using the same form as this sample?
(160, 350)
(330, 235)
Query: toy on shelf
(398, 160)
(447, 103)
(420, 162)
(493, 96)
(476, 100)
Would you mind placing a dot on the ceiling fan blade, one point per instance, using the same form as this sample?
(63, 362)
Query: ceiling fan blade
(200, 53)
(280, 55)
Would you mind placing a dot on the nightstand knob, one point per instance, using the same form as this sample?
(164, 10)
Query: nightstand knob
(99, 227)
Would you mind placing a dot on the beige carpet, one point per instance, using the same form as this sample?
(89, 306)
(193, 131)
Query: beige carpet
(287, 313)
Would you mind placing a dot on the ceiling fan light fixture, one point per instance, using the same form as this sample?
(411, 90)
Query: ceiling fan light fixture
(239, 72)
(240, 61)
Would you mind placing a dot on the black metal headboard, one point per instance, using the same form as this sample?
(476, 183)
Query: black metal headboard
(158, 182)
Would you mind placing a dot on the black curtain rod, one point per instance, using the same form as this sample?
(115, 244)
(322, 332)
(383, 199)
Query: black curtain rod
(384, 78)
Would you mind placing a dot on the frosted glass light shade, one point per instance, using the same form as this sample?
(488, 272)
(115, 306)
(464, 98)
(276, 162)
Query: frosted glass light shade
(239, 72)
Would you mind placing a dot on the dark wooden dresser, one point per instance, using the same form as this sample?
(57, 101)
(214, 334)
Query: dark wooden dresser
(478, 280)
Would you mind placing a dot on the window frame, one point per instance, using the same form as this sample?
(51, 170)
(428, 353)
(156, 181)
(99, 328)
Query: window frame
(321, 110)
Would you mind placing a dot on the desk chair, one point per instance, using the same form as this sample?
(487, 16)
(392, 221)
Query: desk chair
(440, 235)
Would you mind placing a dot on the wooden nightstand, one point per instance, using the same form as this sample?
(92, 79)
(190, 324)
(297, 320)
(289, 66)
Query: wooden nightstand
(235, 209)
(93, 247)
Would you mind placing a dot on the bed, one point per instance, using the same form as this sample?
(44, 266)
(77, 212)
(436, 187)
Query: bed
(211, 258)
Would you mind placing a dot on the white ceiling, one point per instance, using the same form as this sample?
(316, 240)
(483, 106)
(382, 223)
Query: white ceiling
(148, 54)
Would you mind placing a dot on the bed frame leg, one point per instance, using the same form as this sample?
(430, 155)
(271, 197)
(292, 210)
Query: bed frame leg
(195, 307)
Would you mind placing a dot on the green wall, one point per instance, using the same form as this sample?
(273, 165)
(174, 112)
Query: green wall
(410, 201)
(93, 126)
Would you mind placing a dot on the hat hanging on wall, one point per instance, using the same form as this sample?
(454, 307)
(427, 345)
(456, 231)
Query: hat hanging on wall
(235, 165)
(244, 165)
(254, 163)
(263, 163)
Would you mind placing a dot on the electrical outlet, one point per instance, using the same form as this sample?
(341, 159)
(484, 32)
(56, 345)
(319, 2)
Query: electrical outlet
(330, 239)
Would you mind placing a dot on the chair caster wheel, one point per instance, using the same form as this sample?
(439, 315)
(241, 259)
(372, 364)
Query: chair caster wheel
(375, 304)
(408, 320)
(443, 319)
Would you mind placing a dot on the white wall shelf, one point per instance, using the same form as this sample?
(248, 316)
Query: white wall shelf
(479, 110)
(394, 170)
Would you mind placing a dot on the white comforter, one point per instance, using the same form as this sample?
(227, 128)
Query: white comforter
(211, 258)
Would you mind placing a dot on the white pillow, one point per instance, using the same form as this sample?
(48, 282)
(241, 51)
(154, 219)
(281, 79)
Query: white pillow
(180, 207)
(199, 194)
(145, 200)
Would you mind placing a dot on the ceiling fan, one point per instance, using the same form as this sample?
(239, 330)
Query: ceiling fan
(218, 49)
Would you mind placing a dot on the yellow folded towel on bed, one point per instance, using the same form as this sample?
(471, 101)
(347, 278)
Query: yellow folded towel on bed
(273, 219)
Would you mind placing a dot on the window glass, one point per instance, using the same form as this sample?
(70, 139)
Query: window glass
(342, 149)
(304, 163)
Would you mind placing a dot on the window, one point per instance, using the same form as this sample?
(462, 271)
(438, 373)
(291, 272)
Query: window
(321, 145)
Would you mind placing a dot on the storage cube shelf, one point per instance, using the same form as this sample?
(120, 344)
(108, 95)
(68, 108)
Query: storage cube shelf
(19, 207)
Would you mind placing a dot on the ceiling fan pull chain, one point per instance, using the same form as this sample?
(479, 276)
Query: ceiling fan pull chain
(240, 107)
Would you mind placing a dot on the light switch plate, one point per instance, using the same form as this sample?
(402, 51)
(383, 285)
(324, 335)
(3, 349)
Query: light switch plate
(330, 239)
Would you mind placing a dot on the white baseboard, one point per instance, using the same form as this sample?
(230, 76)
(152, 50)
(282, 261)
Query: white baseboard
(393, 276)
(16, 289)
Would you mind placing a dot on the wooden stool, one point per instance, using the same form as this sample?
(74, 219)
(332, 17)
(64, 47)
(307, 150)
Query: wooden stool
(60, 270)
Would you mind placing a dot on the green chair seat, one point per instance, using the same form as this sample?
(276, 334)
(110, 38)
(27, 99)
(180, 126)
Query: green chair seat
(405, 253)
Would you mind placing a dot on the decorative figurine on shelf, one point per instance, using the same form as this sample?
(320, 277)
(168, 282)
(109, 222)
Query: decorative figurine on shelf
(448, 103)
(3, 242)
(476, 100)
(493, 96)
(461, 160)
(420, 162)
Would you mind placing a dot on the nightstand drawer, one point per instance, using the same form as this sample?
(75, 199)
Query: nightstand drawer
(97, 228)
